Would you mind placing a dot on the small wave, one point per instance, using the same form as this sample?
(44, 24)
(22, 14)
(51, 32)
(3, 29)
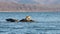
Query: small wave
(12, 33)
(3, 31)
(46, 29)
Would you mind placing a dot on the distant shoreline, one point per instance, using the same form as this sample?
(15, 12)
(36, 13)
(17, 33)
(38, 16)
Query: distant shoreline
(30, 11)
(13, 7)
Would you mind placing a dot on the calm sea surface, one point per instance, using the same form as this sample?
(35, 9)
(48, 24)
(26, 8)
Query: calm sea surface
(45, 23)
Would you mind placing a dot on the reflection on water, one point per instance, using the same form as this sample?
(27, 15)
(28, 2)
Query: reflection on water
(45, 23)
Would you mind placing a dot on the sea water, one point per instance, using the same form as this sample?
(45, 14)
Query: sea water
(45, 23)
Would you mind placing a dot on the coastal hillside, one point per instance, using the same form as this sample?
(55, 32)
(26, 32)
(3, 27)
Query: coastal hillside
(11, 6)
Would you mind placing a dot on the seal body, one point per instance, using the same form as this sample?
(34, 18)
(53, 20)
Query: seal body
(11, 20)
(27, 19)
(24, 20)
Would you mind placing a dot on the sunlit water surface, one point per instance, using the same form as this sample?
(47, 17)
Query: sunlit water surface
(45, 23)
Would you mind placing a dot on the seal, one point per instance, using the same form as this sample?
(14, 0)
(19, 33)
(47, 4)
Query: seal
(27, 19)
(11, 20)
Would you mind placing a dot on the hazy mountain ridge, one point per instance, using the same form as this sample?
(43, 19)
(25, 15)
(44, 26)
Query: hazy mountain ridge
(10, 6)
